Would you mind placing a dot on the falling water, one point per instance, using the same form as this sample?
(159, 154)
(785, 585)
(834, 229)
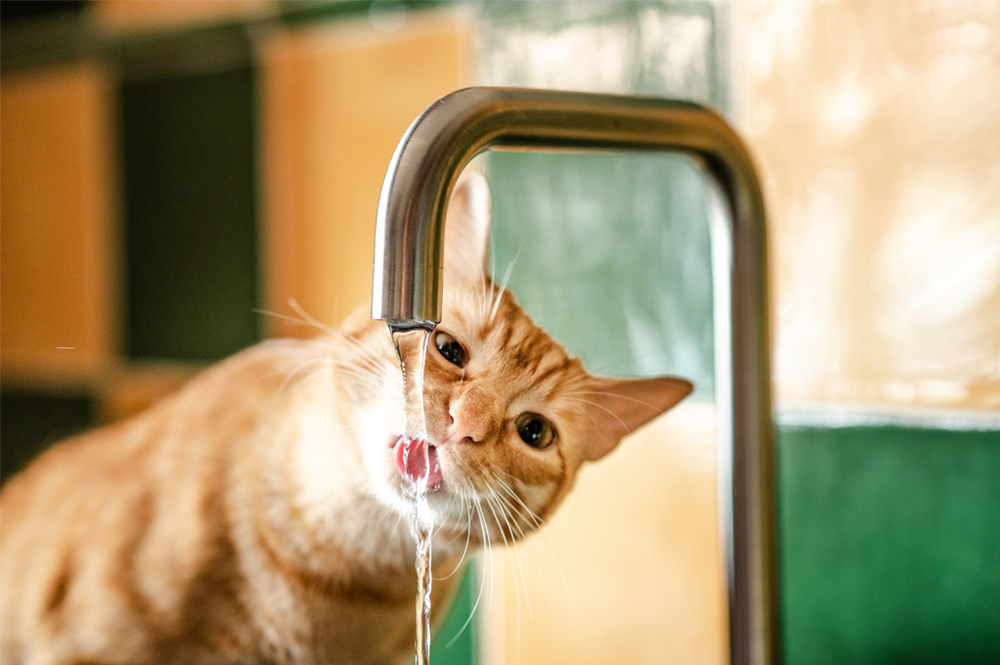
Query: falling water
(411, 347)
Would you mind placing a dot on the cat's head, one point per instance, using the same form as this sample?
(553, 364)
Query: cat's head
(510, 415)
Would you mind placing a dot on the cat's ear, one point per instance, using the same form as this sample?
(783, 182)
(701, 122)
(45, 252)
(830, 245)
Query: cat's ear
(619, 406)
(467, 230)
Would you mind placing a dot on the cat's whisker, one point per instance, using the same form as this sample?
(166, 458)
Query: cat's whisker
(587, 413)
(550, 529)
(365, 380)
(505, 515)
(294, 304)
(517, 596)
(385, 513)
(284, 317)
(508, 510)
(363, 376)
(475, 605)
(493, 249)
(489, 547)
(483, 293)
(615, 395)
(538, 521)
(448, 513)
(399, 519)
(468, 536)
(485, 296)
(604, 408)
(513, 544)
(553, 552)
(498, 295)
(489, 564)
(369, 361)
(482, 584)
(481, 296)
(503, 284)
(317, 373)
(544, 536)
(381, 361)
(299, 369)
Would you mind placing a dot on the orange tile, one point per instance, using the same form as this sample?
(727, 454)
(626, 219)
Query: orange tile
(57, 261)
(336, 101)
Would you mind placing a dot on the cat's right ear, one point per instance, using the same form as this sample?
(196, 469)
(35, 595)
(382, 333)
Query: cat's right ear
(467, 229)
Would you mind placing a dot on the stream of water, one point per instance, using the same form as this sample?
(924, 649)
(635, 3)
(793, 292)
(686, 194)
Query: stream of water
(411, 347)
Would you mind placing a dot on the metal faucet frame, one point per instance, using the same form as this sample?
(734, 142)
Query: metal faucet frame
(406, 285)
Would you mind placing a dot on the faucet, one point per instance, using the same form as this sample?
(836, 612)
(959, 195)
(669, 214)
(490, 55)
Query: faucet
(406, 284)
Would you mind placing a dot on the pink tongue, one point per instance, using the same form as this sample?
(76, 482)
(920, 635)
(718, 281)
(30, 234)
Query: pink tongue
(411, 462)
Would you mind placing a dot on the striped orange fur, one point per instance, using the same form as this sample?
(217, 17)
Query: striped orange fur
(257, 515)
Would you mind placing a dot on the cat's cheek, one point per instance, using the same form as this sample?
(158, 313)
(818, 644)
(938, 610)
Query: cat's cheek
(389, 488)
(538, 498)
(373, 438)
(457, 468)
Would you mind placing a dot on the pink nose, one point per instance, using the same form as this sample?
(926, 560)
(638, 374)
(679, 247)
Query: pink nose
(467, 424)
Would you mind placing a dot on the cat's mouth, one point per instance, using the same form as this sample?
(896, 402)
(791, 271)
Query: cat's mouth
(412, 464)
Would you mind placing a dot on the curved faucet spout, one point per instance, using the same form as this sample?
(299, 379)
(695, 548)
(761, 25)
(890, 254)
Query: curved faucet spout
(409, 236)
(406, 285)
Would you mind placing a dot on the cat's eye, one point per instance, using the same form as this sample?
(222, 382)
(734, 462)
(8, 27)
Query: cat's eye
(449, 347)
(535, 430)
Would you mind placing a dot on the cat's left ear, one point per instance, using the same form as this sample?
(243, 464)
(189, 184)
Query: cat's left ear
(619, 406)
(467, 229)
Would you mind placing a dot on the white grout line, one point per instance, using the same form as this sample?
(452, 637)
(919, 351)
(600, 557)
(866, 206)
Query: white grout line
(870, 415)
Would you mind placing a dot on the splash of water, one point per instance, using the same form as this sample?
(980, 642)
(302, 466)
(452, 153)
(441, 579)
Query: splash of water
(411, 347)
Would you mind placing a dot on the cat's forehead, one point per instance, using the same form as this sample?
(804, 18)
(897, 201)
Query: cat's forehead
(500, 331)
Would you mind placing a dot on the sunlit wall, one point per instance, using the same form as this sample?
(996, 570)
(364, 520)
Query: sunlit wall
(875, 127)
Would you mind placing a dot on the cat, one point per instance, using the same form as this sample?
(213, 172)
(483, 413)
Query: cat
(259, 514)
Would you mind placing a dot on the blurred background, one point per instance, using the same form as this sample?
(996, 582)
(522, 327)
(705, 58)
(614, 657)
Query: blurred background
(172, 171)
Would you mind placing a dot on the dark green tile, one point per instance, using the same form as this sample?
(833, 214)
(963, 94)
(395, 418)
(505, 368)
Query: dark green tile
(190, 223)
(31, 421)
(889, 545)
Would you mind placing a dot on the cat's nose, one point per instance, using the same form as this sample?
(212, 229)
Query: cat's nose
(466, 426)
(470, 417)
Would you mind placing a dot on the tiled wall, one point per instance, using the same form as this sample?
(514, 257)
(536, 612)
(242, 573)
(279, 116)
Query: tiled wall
(890, 541)
(874, 127)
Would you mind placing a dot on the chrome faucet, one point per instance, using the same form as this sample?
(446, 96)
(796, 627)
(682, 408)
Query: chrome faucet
(406, 285)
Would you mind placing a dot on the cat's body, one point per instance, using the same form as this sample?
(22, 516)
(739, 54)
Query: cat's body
(260, 514)
(185, 535)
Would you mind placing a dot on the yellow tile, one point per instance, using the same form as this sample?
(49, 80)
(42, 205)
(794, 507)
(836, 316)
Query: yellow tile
(57, 262)
(336, 101)
(159, 14)
(629, 569)
(875, 128)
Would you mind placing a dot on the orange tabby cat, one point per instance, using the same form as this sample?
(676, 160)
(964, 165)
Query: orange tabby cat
(259, 515)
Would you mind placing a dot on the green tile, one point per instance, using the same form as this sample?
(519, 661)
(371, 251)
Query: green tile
(190, 223)
(456, 641)
(610, 254)
(889, 545)
(31, 421)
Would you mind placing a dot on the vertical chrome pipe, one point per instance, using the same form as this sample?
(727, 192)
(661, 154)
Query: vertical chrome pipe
(406, 285)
